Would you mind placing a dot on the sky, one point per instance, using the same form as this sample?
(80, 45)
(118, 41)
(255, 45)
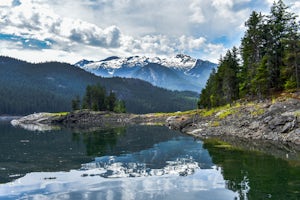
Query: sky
(71, 30)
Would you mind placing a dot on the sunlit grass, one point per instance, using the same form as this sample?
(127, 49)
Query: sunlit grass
(222, 112)
(215, 124)
(257, 111)
(179, 113)
(226, 113)
(59, 114)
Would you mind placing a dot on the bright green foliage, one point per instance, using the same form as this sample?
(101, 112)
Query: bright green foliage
(120, 107)
(270, 58)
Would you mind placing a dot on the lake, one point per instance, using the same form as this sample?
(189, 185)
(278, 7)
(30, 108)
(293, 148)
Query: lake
(139, 162)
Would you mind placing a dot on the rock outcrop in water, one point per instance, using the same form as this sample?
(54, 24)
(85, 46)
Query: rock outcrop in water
(84, 119)
(278, 122)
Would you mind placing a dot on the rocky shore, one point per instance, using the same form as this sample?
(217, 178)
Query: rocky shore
(277, 121)
(270, 120)
(84, 119)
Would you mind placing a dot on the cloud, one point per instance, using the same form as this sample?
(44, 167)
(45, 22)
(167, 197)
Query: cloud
(214, 52)
(6, 3)
(40, 22)
(197, 15)
(95, 29)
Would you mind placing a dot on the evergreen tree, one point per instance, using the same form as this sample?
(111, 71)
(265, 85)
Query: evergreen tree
(251, 53)
(222, 86)
(278, 27)
(291, 73)
(260, 83)
(111, 101)
(76, 103)
(120, 107)
(87, 99)
(270, 52)
(230, 84)
(211, 95)
(95, 98)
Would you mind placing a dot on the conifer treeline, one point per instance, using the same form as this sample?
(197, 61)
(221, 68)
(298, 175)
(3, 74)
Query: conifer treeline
(267, 60)
(95, 98)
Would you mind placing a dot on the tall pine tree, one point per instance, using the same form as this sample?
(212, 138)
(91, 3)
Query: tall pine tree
(251, 53)
(278, 27)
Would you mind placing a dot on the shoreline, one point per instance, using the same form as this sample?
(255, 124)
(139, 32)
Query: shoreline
(271, 120)
(278, 122)
(85, 119)
(9, 117)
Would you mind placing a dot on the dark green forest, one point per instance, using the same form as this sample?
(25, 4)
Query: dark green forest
(267, 62)
(97, 99)
(50, 87)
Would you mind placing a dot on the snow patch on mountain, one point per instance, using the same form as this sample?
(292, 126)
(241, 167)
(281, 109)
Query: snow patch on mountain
(180, 72)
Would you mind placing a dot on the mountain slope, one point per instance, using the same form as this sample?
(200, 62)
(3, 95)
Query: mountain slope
(26, 88)
(177, 73)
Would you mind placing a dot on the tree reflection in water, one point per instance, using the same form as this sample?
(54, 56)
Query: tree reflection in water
(255, 175)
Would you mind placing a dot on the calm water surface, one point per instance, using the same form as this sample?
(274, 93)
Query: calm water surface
(138, 162)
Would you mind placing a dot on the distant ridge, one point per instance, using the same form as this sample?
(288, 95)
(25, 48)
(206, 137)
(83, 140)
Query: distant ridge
(180, 72)
(49, 87)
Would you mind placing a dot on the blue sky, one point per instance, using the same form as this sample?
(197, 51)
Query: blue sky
(68, 31)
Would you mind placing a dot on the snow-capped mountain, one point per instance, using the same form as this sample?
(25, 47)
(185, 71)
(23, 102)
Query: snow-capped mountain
(180, 72)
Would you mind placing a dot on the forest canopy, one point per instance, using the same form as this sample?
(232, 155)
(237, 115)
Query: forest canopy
(266, 62)
(96, 99)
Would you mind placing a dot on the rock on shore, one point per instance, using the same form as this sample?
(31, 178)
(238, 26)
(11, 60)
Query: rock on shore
(278, 121)
(83, 119)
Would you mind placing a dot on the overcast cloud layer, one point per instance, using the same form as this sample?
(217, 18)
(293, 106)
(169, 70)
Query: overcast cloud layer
(64, 30)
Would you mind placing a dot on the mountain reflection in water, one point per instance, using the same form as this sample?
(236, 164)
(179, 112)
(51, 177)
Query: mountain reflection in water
(137, 162)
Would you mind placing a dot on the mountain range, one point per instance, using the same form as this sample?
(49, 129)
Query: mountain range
(49, 87)
(180, 72)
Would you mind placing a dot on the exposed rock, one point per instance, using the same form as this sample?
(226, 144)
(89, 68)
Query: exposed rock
(287, 127)
(179, 122)
(279, 122)
(254, 125)
(294, 136)
(83, 119)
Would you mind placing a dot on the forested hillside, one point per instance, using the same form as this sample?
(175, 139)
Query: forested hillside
(267, 61)
(50, 87)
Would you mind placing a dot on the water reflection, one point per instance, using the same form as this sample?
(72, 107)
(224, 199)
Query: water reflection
(179, 156)
(100, 142)
(137, 162)
(203, 184)
(255, 175)
(143, 151)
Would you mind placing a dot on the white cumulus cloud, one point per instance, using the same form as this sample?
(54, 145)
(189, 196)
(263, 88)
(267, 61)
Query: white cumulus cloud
(94, 29)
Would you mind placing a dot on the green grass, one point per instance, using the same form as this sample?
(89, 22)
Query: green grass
(188, 112)
(297, 113)
(222, 111)
(257, 111)
(59, 114)
(215, 124)
(225, 113)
